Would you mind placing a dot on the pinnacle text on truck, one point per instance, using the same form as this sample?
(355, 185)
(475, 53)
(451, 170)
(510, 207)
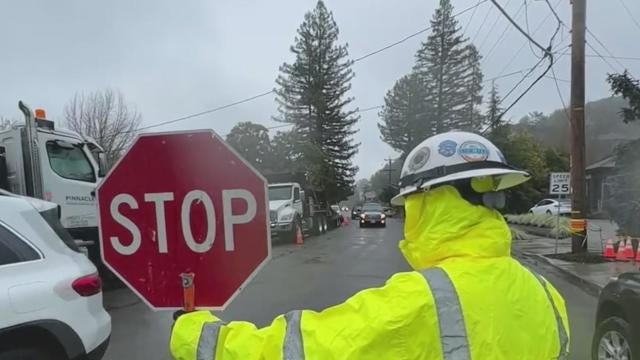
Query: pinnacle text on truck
(295, 208)
(58, 165)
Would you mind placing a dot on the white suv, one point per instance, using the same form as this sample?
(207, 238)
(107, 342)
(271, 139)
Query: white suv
(50, 293)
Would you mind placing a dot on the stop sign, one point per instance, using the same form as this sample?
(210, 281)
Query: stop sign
(183, 203)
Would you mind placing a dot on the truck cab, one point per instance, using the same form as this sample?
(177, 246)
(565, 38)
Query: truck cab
(286, 209)
(57, 165)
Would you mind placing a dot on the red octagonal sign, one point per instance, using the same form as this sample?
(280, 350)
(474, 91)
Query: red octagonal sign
(184, 203)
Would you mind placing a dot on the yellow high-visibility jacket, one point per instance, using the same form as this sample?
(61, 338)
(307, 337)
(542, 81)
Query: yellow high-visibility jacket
(467, 299)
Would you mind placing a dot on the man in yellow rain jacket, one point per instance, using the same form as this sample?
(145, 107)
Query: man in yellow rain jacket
(467, 299)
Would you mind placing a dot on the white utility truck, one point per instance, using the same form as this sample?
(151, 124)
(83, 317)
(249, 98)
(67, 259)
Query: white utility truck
(294, 205)
(42, 161)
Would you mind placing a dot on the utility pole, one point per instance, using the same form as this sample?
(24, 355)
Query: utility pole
(578, 161)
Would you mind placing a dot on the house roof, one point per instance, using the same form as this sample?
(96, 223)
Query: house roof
(608, 162)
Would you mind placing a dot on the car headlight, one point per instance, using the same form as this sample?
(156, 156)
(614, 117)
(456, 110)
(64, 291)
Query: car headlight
(383, 216)
(363, 216)
(286, 217)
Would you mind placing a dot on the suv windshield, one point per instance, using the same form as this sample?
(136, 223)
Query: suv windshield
(69, 161)
(279, 193)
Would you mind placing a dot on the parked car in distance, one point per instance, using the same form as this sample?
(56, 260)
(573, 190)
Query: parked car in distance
(50, 293)
(372, 215)
(552, 207)
(617, 334)
(355, 213)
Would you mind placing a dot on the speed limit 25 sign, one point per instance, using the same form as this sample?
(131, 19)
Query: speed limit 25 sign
(560, 183)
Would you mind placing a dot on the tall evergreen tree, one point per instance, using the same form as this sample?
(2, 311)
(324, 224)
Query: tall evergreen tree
(441, 64)
(404, 116)
(312, 95)
(499, 131)
(472, 119)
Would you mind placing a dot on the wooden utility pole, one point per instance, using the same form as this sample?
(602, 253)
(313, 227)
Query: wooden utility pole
(578, 161)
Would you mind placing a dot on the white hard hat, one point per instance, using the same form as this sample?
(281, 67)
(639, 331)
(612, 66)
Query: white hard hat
(455, 155)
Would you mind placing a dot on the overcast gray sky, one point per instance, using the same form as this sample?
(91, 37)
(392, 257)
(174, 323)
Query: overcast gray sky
(173, 59)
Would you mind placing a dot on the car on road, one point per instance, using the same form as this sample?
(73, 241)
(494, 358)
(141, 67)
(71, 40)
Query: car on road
(355, 213)
(552, 207)
(617, 334)
(50, 293)
(372, 215)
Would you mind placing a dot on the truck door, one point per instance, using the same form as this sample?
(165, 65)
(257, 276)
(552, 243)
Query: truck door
(297, 200)
(69, 179)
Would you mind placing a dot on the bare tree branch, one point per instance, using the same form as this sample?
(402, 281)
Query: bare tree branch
(105, 116)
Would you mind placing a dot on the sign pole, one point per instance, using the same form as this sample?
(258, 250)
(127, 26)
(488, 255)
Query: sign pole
(557, 227)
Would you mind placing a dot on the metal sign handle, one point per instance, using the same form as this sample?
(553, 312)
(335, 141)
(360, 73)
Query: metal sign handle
(188, 291)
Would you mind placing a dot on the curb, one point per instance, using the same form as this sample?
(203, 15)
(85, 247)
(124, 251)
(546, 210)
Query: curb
(588, 286)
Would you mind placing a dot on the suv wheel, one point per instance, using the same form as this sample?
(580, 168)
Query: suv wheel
(613, 341)
(24, 354)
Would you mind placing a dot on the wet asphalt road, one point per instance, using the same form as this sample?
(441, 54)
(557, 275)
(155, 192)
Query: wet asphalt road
(324, 271)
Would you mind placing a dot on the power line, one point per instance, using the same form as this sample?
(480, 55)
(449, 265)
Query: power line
(471, 18)
(526, 21)
(615, 57)
(207, 111)
(358, 111)
(630, 14)
(272, 91)
(604, 47)
(560, 22)
(547, 54)
(481, 25)
(413, 35)
(532, 40)
(538, 28)
(370, 108)
(501, 36)
(601, 57)
(531, 70)
(492, 26)
(564, 106)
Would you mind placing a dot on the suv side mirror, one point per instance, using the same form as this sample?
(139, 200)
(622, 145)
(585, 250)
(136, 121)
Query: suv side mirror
(102, 164)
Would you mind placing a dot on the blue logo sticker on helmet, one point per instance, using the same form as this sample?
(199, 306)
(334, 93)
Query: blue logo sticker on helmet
(473, 151)
(419, 159)
(447, 148)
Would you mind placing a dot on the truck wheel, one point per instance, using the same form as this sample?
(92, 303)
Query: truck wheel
(317, 225)
(325, 225)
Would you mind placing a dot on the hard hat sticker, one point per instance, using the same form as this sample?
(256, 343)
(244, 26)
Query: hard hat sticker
(447, 148)
(419, 159)
(473, 151)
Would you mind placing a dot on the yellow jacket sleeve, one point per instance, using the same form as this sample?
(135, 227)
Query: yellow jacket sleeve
(397, 321)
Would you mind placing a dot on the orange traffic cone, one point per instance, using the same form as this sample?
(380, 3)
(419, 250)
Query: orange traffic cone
(625, 251)
(299, 237)
(608, 252)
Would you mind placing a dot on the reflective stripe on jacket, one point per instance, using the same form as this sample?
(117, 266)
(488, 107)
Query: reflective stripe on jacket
(468, 299)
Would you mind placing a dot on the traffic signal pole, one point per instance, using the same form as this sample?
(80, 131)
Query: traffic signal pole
(578, 161)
